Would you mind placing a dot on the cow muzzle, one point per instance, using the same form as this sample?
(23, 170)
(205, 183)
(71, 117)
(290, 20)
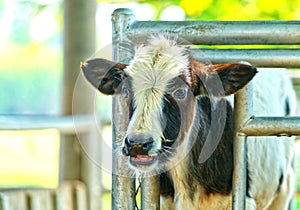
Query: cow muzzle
(138, 149)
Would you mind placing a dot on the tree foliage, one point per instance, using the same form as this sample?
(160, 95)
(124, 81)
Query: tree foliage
(231, 9)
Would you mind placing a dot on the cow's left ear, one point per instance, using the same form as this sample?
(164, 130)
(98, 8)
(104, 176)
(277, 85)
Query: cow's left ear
(233, 76)
(219, 79)
(103, 74)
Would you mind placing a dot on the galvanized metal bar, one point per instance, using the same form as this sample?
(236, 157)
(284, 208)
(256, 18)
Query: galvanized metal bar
(123, 186)
(150, 190)
(282, 58)
(272, 126)
(220, 32)
(239, 172)
(64, 124)
(123, 51)
(242, 110)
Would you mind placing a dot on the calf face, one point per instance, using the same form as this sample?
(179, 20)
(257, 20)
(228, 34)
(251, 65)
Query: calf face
(160, 87)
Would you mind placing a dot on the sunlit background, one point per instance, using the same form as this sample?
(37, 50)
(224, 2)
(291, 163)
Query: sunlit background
(31, 68)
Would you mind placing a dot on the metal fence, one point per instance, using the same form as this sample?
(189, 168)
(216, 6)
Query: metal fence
(70, 195)
(127, 30)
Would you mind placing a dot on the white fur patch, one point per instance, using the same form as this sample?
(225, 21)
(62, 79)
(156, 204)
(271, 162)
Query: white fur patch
(151, 70)
(268, 157)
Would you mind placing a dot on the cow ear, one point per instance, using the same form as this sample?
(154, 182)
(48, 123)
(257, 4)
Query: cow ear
(219, 79)
(103, 74)
(233, 77)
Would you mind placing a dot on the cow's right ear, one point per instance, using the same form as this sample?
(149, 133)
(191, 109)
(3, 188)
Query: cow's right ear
(103, 74)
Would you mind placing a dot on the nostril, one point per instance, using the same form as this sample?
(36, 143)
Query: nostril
(125, 151)
(126, 148)
(127, 142)
(147, 146)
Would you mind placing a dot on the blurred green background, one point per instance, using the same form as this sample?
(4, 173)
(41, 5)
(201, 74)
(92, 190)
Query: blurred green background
(31, 67)
(31, 40)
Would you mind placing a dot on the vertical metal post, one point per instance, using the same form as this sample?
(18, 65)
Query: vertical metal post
(150, 193)
(123, 187)
(242, 112)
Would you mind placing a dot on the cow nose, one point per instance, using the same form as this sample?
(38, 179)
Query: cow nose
(137, 146)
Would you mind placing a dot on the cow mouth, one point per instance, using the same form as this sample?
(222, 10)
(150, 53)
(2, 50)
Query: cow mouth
(142, 159)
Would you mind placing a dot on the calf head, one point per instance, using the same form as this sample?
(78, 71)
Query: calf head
(159, 89)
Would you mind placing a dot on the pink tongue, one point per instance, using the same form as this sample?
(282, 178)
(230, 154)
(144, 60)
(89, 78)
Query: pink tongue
(143, 158)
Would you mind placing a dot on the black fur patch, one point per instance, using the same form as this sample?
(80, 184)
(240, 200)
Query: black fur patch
(280, 182)
(172, 119)
(287, 107)
(248, 179)
(166, 185)
(215, 174)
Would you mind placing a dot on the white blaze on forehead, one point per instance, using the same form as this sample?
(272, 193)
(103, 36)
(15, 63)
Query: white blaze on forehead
(152, 68)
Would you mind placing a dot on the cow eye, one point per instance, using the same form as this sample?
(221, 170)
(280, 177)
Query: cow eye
(180, 93)
(125, 92)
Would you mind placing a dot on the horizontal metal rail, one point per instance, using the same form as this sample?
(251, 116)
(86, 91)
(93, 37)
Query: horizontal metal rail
(65, 124)
(220, 32)
(283, 58)
(272, 126)
(256, 126)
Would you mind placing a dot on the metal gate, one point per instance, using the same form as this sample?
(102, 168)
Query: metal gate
(126, 27)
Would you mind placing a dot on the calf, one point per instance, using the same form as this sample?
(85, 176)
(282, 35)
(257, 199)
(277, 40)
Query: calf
(180, 125)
